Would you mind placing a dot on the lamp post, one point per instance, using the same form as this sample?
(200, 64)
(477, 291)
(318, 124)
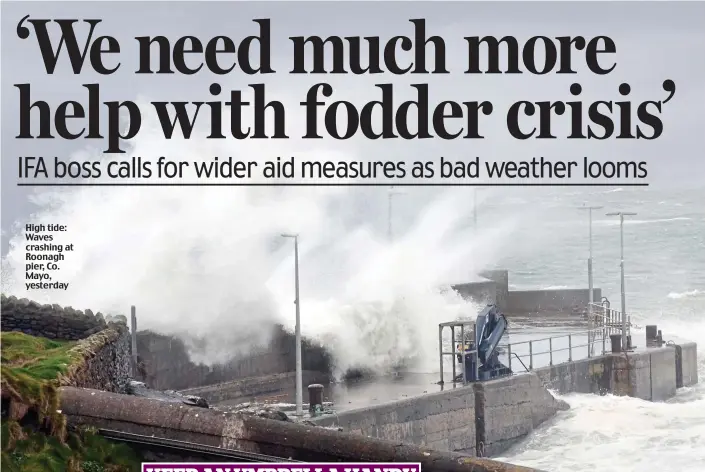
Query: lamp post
(621, 215)
(474, 206)
(590, 283)
(391, 193)
(299, 377)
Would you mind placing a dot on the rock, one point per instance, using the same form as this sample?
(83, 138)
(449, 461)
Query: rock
(273, 415)
(196, 401)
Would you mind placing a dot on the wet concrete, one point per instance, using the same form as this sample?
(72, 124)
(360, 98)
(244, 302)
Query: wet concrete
(383, 389)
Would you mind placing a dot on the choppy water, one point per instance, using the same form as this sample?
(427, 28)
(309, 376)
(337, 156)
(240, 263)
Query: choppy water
(665, 285)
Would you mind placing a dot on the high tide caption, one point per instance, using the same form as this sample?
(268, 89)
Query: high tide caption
(44, 256)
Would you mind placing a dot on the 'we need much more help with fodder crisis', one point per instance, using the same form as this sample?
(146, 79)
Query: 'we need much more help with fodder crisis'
(419, 53)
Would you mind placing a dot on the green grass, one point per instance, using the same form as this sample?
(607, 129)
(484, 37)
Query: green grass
(31, 370)
(29, 451)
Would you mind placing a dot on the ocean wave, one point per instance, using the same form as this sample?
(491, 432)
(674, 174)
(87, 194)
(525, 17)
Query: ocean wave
(689, 293)
(642, 222)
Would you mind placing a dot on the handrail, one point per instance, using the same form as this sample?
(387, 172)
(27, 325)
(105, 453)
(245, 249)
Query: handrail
(603, 321)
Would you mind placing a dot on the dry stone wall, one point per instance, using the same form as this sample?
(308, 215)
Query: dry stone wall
(49, 321)
(103, 350)
(105, 361)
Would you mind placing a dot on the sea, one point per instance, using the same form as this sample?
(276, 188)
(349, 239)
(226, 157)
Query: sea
(664, 264)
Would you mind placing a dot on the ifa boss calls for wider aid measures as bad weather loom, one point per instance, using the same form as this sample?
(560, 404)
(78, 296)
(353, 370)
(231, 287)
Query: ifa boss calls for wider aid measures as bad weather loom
(419, 53)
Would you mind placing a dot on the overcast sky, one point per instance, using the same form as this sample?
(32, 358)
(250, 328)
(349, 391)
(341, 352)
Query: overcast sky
(655, 42)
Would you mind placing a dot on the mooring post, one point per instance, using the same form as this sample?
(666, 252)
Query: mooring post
(133, 335)
(616, 340)
(315, 398)
(651, 334)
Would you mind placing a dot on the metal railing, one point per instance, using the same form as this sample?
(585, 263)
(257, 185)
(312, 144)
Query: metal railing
(466, 327)
(602, 321)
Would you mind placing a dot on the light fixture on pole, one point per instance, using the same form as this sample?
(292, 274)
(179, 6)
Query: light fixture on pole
(299, 376)
(621, 215)
(391, 193)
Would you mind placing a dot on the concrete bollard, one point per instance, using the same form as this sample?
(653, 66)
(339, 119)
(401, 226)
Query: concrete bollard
(616, 342)
(315, 397)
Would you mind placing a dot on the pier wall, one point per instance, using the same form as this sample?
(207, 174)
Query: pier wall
(256, 388)
(484, 292)
(495, 290)
(481, 419)
(558, 301)
(175, 421)
(650, 374)
(168, 366)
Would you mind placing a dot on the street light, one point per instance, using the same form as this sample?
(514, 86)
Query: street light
(299, 378)
(621, 215)
(392, 192)
(590, 284)
(474, 206)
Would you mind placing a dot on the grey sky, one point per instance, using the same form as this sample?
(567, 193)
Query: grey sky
(655, 41)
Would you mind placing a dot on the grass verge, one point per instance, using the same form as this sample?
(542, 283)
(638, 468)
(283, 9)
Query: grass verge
(32, 369)
(24, 450)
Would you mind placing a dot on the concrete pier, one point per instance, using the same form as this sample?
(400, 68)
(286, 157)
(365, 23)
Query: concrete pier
(250, 433)
(648, 373)
(480, 419)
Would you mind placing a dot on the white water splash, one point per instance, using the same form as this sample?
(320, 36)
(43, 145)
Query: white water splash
(210, 265)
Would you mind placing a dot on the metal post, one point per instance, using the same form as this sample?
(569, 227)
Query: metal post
(392, 192)
(133, 335)
(550, 351)
(509, 356)
(621, 265)
(389, 213)
(462, 351)
(531, 355)
(570, 348)
(590, 283)
(299, 376)
(440, 349)
(474, 205)
(452, 349)
(474, 209)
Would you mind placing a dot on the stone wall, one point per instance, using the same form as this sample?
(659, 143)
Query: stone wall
(49, 321)
(443, 420)
(650, 374)
(509, 409)
(105, 361)
(501, 280)
(561, 301)
(686, 364)
(102, 353)
(484, 419)
(166, 363)
(484, 292)
(252, 389)
(284, 439)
